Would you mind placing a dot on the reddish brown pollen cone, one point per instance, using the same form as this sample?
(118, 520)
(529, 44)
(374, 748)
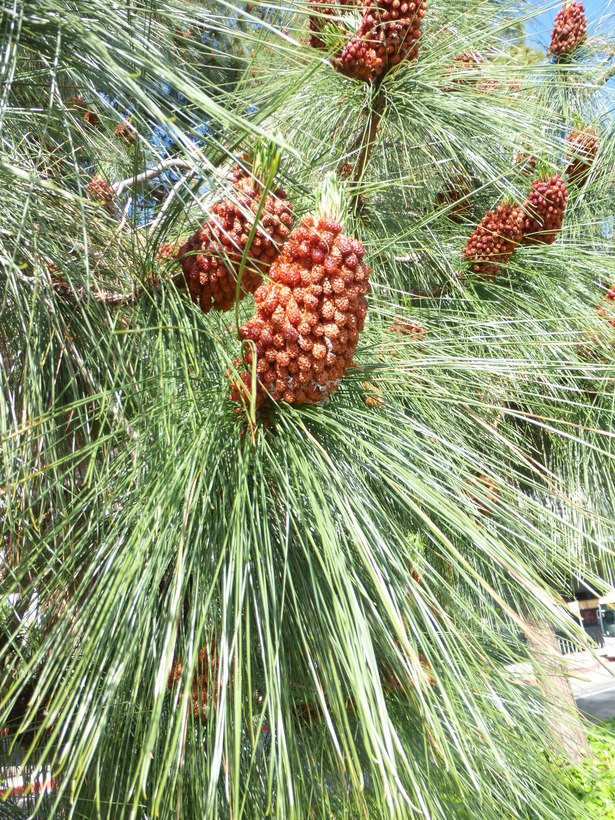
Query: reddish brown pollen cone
(211, 258)
(583, 148)
(544, 211)
(308, 316)
(569, 29)
(494, 241)
(389, 32)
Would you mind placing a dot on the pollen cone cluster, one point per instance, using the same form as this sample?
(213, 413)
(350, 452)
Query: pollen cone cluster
(495, 240)
(126, 132)
(569, 29)
(51, 161)
(100, 190)
(590, 347)
(92, 119)
(308, 316)
(204, 683)
(77, 101)
(393, 685)
(211, 258)
(307, 713)
(166, 251)
(456, 193)
(374, 398)
(583, 146)
(318, 22)
(526, 162)
(544, 211)
(488, 494)
(389, 33)
(460, 63)
(467, 59)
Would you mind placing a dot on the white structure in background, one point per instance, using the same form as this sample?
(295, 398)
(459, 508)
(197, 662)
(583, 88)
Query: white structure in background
(597, 616)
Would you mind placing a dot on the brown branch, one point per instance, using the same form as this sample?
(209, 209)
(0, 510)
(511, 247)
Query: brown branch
(78, 293)
(115, 406)
(375, 115)
(179, 280)
(440, 290)
(168, 201)
(366, 146)
(609, 71)
(434, 293)
(607, 75)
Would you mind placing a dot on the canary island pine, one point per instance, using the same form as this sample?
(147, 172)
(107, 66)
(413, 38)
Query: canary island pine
(341, 602)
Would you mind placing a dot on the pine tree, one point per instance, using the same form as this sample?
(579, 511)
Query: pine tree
(268, 605)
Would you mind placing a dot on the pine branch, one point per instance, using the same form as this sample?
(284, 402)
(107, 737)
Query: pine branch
(440, 290)
(169, 200)
(607, 71)
(607, 75)
(366, 144)
(114, 404)
(78, 293)
(174, 163)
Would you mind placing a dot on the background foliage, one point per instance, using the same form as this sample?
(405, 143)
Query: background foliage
(593, 781)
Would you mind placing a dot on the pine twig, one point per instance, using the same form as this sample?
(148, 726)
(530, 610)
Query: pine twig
(366, 145)
(151, 173)
(440, 290)
(79, 293)
(169, 200)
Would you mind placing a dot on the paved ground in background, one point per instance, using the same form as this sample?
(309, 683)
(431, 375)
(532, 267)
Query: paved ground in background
(592, 679)
(599, 705)
(593, 682)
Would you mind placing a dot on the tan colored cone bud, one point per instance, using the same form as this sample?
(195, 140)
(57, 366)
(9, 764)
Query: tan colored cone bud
(583, 148)
(456, 193)
(607, 309)
(408, 327)
(125, 131)
(100, 190)
(204, 682)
